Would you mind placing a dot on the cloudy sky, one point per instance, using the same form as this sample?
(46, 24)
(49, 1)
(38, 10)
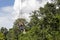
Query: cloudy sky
(11, 10)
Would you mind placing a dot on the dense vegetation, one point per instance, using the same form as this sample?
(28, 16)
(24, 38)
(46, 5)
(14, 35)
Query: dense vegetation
(44, 25)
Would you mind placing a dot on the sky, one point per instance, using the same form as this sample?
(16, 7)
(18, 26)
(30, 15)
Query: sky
(10, 10)
(6, 9)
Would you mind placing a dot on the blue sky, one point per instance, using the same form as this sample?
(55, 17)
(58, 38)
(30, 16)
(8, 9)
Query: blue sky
(6, 13)
(4, 3)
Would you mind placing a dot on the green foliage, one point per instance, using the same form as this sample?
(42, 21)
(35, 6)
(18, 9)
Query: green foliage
(11, 35)
(19, 20)
(2, 37)
(4, 31)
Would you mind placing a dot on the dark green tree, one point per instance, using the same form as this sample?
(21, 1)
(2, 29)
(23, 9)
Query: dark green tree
(4, 31)
(11, 35)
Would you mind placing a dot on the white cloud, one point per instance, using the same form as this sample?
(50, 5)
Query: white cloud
(24, 7)
(5, 22)
(6, 18)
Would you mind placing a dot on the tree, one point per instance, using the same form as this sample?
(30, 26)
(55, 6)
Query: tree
(34, 19)
(11, 35)
(51, 20)
(4, 31)
(21, 23)
(2, 37)
(19, 20)
(47, 28)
